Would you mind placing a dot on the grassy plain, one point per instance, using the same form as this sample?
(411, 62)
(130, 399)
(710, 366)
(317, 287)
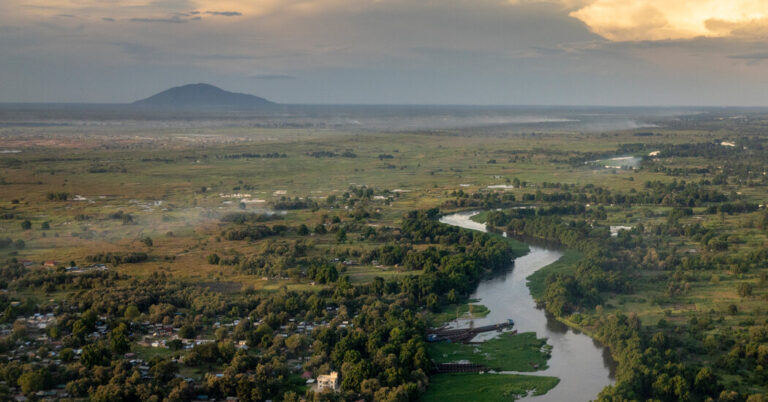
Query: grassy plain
(485, 387)
(460, 311)
(176, 184)
(506, 352)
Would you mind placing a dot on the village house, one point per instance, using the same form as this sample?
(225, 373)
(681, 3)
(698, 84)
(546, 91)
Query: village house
(328, 381)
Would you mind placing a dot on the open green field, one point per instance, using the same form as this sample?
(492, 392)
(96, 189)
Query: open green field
(461, 311)
(506, 352)
(485, 387)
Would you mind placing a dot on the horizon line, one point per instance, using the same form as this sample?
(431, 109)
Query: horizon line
(564, 105)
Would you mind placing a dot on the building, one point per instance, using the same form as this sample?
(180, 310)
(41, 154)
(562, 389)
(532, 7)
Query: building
(328, 381)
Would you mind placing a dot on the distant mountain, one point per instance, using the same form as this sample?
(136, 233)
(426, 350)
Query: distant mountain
(203, 95)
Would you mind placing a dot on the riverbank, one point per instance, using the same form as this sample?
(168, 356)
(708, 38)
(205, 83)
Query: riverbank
(509, 296)
(537, 280)
(565, 265)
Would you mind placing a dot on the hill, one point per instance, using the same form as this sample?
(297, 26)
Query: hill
(202, 95)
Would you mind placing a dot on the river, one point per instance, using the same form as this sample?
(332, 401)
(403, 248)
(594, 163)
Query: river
(583, 366)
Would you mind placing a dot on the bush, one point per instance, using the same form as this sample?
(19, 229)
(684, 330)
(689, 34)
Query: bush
(214, 259)
(744, 289)
(59, 196)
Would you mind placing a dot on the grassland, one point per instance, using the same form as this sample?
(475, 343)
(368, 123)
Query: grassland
(176, 184)
(507, 352)
(452, 312)
(160, 176)
(485, 387)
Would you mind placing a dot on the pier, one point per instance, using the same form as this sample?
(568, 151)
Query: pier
(459, 368)
(464, 334)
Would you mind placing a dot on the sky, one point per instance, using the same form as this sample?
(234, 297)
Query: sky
(500, 52)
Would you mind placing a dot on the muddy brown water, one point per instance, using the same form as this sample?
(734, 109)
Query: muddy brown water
(583, 366)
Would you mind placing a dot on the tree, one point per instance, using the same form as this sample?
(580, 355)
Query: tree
(131, 313)
(32, 381)
(26, 225)
(67, 354)
(164, 371)
(293, 342)
(94, 355)
(705, 382)
(452, 298)
(341, 235)
(432, 302)
(19, 329)
(147, 241)
(109, 392)
(45, 225)
(183, 391)
(175, 344)
(187, 331)
(303, 230)
(119, 343)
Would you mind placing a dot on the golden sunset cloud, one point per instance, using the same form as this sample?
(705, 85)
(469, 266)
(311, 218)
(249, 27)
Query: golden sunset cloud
(629, 20)
(615, 20)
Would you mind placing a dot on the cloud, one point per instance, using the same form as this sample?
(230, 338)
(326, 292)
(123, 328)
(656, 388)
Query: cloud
(271, 77)
(225, 13)
(615, 20)
(751, 56)
(629, 20)
(172, 20)
(487, 51)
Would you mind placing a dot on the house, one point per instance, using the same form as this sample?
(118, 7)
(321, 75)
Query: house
(328, 381)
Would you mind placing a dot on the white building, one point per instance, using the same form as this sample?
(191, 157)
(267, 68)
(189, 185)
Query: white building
(328, 381)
